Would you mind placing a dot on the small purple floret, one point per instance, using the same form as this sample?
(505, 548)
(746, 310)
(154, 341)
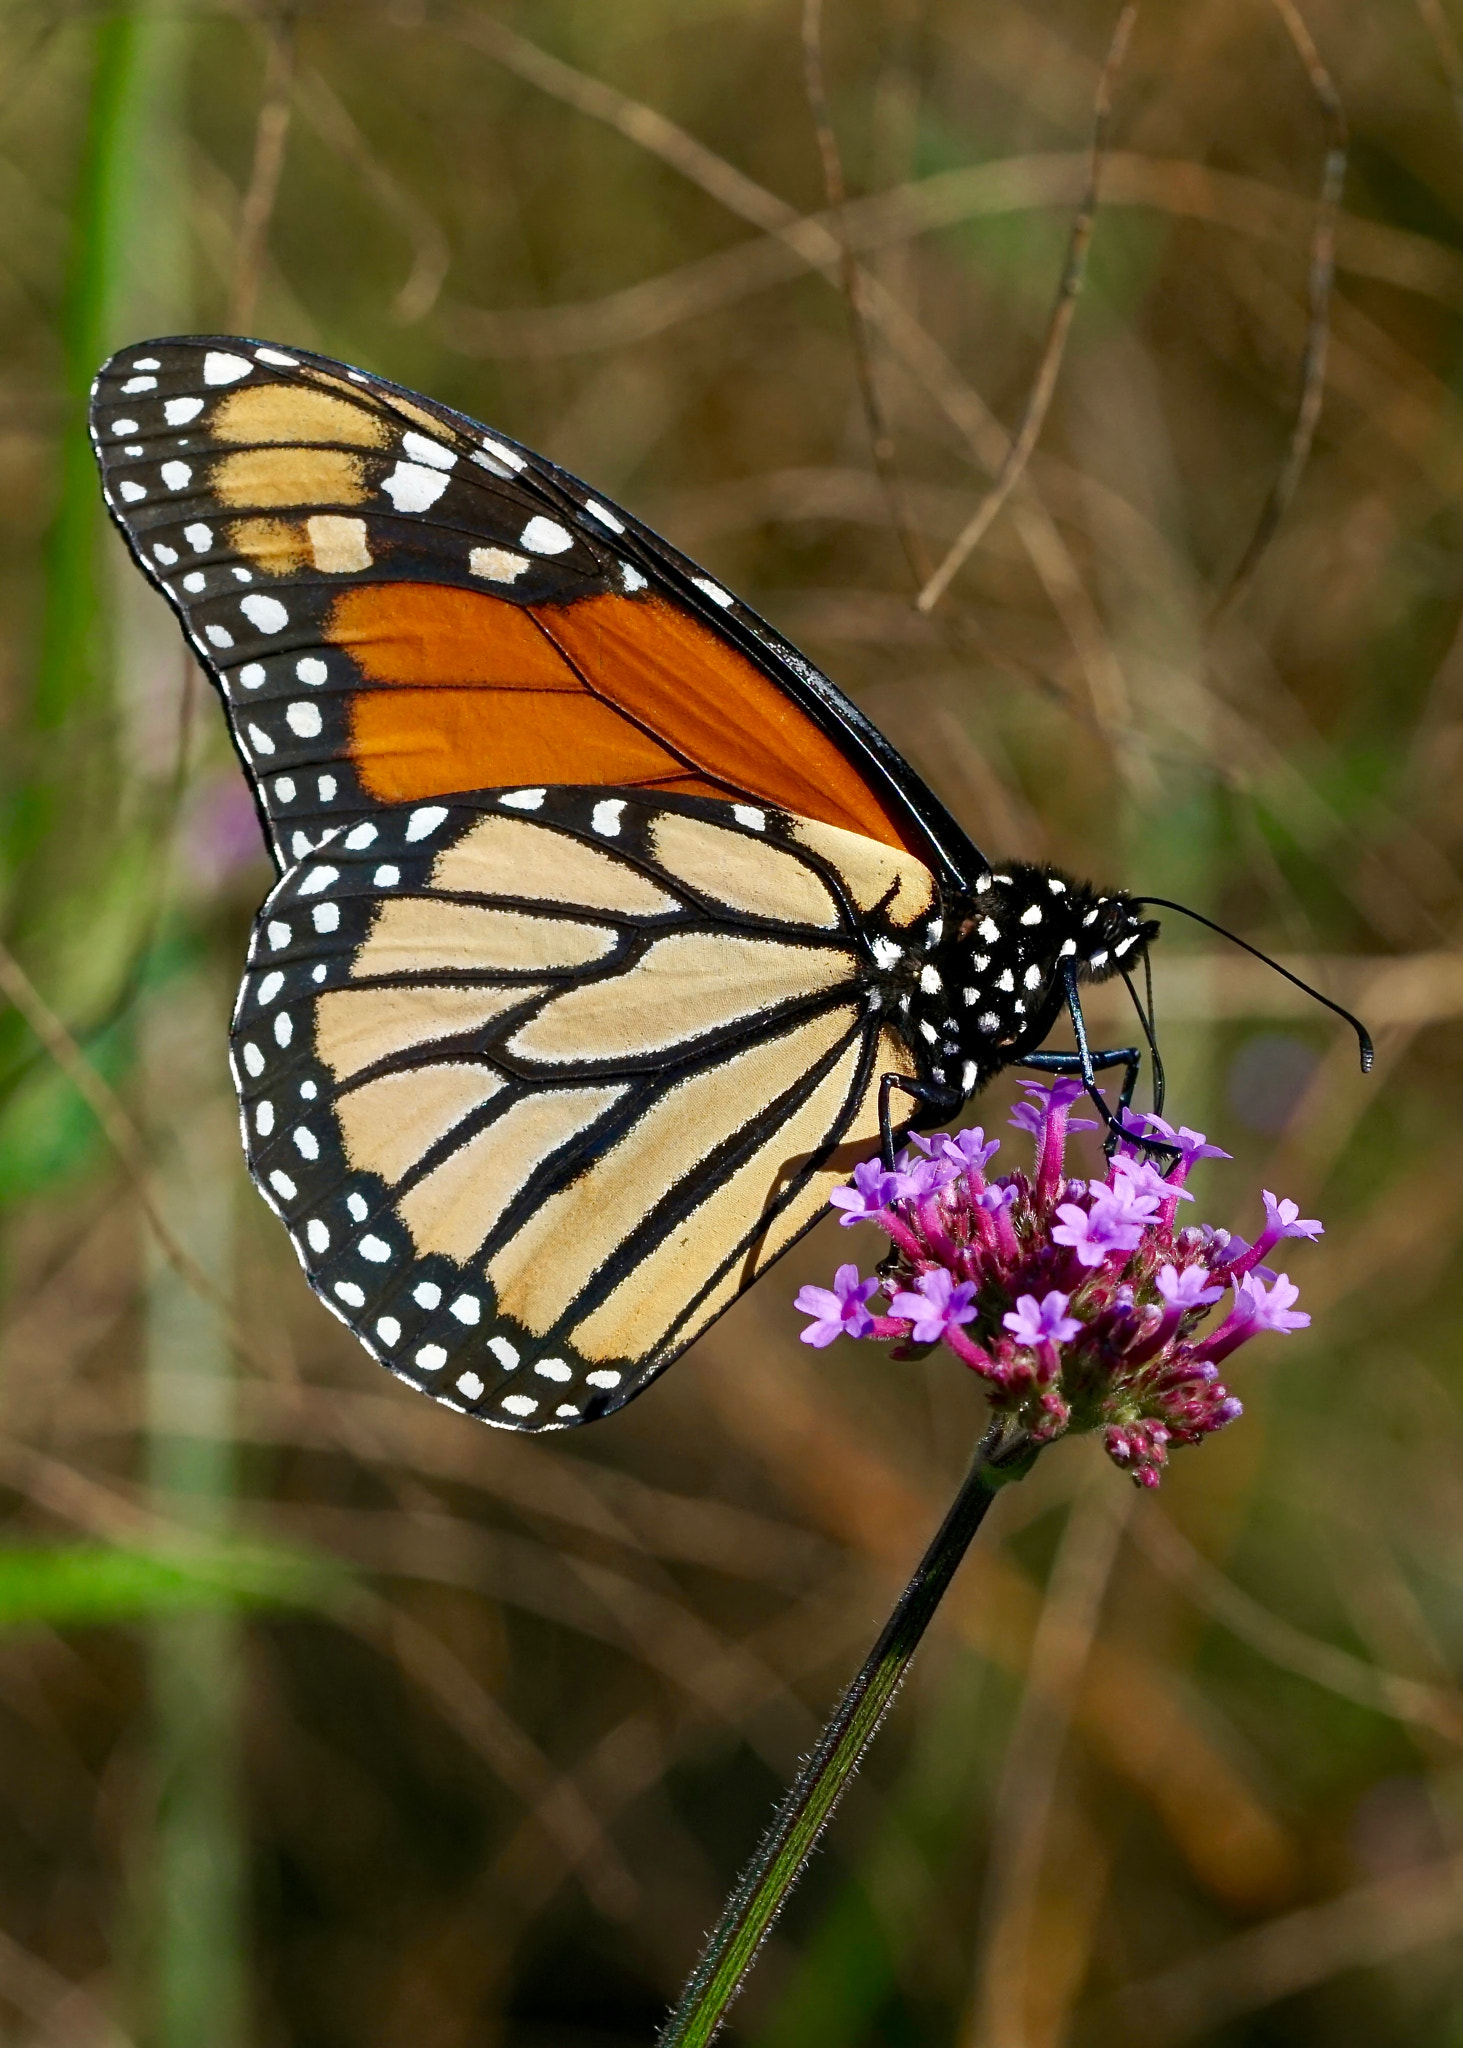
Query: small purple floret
(1042, 1322)
(937, 1304)
(840, 1311)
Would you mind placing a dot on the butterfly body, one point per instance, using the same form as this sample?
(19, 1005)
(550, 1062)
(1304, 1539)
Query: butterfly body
(609, 935)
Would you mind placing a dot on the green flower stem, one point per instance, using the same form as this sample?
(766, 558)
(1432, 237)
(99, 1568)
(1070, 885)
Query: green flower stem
(761, 1891)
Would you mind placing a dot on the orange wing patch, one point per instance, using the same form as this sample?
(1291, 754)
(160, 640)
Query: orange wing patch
(628, 693)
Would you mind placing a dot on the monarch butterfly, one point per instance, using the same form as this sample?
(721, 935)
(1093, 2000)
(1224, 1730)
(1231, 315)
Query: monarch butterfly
(609, 934)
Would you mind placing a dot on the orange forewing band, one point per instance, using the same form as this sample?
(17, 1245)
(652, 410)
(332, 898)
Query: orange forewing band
(605, 690)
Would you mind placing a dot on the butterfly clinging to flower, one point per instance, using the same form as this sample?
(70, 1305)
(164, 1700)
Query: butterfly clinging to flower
(609, 934)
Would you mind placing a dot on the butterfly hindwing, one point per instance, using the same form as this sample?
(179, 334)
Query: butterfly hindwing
(541, 1079)
(397, 605)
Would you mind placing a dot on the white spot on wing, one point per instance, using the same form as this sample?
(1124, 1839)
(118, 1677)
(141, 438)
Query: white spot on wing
(606, 816)
(602, 1378)
(219, 636)
(746, 814)
(505, 1353)
(199, 537)
(265, 613)
(317, 1233)
(413, 488)
(430, 452)
(375, 1249)
(121, 427)
(277, 357)
(497, 565)
(470, 1387)
(467, 1308)
(519, 1404)
(427, 1294)
(388, 1329)
(360, 836)
(350, 1294)
(604, 516)
(283, 1185)
(312, 671)
(318, 879)
(545, 536)
(176, 475)
(431, 1358)
(304, 719)
(524, 799)
(509, 456)
(631, 578)
(130, 493)
(554, 1369)
(386, 877)
(326, 917)
(219, 367)
(253, 1060)
(425, 821)
(178, 411)
(714, 591)
(136, 384)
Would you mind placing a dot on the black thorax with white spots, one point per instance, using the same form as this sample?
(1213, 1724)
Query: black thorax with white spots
(987, 986)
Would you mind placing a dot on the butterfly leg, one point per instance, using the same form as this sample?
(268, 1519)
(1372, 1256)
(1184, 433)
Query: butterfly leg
(934, 1096)
(1088, 1064)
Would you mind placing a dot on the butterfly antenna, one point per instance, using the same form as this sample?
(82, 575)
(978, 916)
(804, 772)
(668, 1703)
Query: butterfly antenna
(1363, 1036)
(1145, 1018)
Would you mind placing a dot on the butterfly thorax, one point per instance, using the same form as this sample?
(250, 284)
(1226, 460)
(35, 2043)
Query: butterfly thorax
(993, 984)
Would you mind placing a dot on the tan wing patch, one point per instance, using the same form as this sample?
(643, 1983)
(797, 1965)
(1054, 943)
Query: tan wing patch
(453, 1208)
(683, 985)
(859, 1134)
(277, 546)
(356, 1027)
(561, 1247)
(289, 476)
(747, 873)
(633, 1320)
(871, 870)
(414, 935)
(338, 545)
(288, 412)
(511, 857)
(387, 1125)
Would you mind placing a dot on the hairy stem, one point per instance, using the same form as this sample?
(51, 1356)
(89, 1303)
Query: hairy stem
(775, 1868)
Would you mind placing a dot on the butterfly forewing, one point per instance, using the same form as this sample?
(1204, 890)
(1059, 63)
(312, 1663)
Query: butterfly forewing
(397, 605)
(539, 1080)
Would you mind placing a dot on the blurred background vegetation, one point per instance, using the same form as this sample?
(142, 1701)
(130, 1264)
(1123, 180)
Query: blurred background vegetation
(329, 1719)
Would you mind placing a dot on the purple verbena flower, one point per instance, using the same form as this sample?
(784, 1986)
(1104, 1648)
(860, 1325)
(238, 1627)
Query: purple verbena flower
(937, 1304)
(1077, 1302)
(1187, 1289)
(873, 1190)
(840, 1310)
(1095, 1234)
(1042, 1322)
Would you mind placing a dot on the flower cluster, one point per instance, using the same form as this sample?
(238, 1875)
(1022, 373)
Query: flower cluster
(1078, 1302)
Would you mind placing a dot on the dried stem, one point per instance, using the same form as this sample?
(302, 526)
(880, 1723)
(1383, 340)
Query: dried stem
(763, 1888)
(1318, 332)
(271, 133)
(835, 187)
(1049, 368)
